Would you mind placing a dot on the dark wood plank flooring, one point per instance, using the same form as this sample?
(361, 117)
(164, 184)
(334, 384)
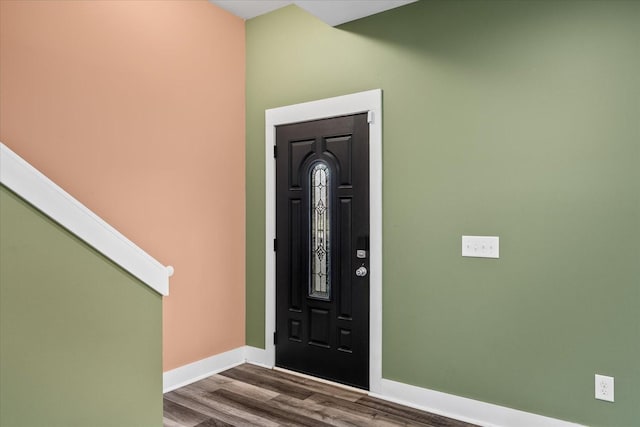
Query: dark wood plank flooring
(249, 395)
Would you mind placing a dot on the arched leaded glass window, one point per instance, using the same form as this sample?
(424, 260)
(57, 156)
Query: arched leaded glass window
(320, 213)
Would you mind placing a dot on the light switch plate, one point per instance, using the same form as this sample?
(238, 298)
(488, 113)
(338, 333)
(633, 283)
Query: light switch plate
(481, 246)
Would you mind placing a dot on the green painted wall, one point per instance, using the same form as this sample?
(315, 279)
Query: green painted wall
(510, 118)
(80, 339)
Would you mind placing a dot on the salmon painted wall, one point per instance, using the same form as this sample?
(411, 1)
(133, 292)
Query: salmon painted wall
(136, 108)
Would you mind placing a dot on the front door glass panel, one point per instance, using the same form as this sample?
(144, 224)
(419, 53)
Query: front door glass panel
(320, 214)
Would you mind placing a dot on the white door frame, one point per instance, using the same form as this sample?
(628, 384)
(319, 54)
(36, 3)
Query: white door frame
(371, 102)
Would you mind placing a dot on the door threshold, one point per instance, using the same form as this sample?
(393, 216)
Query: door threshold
(322, 380)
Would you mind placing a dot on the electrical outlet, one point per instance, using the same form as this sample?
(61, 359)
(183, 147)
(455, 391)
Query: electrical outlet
(604, 388)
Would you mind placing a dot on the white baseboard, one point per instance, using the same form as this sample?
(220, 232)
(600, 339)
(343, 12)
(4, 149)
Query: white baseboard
(448, 405)
(204, 368)
(257, 356)
(462, 408)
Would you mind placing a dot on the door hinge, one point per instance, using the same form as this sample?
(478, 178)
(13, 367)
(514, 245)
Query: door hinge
(275, 244)
(369, 116)
(275, 151)
(275, 338)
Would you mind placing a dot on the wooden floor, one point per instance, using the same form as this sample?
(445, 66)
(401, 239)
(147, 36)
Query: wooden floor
(249, 395)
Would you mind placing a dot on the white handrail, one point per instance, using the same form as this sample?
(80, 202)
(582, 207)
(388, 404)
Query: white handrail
(30, 184)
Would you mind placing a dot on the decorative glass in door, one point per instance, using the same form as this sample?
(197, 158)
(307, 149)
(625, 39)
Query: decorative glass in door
(320, 250)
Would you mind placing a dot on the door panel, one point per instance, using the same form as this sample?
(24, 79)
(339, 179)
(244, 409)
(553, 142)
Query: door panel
(322, 220)
(295, 215)
(344, 308)
(340, 147)
(298, 152)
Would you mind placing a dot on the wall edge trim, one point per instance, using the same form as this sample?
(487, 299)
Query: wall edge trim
(200, 369)
(462, 408)
(257, 356)
(33, 186)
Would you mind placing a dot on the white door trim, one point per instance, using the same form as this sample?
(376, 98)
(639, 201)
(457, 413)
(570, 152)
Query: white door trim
(369, 101)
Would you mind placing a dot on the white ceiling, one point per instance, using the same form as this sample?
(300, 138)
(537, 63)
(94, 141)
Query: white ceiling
(333, 12)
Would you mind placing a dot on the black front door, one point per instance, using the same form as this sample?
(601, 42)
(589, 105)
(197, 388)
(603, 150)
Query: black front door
(322, 248)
